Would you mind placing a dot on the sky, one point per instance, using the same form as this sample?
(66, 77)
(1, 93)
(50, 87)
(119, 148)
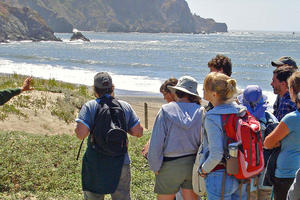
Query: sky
(260, 15)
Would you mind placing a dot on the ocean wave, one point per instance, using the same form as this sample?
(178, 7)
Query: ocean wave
(80, 76)
(132, 42)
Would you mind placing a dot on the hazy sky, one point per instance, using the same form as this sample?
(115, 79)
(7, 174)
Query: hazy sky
(273, 15)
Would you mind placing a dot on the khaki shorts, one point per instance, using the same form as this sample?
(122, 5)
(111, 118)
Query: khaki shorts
(174, 175)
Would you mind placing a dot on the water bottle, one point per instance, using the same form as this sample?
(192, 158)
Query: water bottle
(233, 149)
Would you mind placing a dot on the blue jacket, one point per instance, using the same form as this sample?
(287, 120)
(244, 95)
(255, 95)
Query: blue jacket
(213, 138)
(176, 132)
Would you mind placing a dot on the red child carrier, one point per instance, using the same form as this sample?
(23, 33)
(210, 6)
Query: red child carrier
(243, 132)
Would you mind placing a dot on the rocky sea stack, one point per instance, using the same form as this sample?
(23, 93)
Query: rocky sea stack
(23, 24)
(79, 36)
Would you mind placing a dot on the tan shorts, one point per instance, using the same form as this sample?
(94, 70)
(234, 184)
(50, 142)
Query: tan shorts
(174, 175)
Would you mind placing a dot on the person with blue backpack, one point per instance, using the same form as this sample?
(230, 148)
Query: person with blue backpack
(256, 103)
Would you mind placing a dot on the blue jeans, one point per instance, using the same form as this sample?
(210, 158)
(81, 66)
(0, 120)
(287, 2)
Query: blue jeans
(213, 183)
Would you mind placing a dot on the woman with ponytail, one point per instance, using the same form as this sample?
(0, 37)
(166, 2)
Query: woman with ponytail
(220, 90)
(287, 135)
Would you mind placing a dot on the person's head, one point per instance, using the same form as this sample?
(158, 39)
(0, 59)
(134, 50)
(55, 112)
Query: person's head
(279, 80)
(103, 84)
(186, 88)
(294, 88)
(168, 95)
(254, 100)
(284, 61)
(220, 63)
(219, 88)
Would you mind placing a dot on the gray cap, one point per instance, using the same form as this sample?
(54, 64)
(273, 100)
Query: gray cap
(286, 60)
(102, 80)
(185, 84)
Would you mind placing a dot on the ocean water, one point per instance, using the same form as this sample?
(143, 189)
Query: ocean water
(140, 62)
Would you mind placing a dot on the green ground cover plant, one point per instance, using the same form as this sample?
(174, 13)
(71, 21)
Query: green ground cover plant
(45, 167)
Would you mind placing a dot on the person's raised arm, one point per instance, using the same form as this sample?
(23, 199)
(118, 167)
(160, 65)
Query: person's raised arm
(26, 85)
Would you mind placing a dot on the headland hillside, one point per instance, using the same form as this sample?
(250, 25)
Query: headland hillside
(155, 16)
(23, 24)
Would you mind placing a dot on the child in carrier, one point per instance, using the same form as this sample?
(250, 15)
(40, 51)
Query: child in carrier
(256, 103)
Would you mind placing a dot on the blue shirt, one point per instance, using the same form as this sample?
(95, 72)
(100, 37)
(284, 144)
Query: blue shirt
(285, 106)
(88, 111)
(288, 161)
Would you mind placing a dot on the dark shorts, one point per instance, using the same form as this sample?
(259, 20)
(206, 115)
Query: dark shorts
(281, 187)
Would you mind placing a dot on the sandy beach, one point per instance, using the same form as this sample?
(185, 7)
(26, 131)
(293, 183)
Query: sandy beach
(41, 121)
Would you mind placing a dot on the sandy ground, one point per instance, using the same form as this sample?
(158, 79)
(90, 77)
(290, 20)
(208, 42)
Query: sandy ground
(40, 121)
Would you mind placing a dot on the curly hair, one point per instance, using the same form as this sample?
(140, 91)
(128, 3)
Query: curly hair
(221, 62)
(164, 86)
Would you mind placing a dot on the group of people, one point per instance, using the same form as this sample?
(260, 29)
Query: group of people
(176, 137)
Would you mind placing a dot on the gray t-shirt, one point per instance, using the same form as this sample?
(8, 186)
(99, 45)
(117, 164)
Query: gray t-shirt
(88, 111)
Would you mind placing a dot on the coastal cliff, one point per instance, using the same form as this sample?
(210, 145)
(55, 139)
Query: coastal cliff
(121, 16)
(23, 24)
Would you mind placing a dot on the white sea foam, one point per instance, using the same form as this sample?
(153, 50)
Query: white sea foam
(80, 76)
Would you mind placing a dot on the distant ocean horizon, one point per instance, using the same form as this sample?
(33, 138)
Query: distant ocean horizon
(140, 62)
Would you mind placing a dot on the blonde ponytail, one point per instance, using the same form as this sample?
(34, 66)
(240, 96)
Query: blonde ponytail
(222, 84)
(231, 88)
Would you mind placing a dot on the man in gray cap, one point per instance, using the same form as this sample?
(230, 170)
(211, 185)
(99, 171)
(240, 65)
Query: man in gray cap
(101, 173)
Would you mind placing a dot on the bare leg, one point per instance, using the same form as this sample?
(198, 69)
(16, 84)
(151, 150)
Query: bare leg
(165, 196)
(188, 194)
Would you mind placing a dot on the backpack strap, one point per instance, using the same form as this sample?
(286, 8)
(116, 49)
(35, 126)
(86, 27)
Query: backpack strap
(223, 185)
(202, 126)
(226, 138)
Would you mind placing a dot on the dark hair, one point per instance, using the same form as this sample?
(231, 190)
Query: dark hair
(191, 98)
(283, 73)
(164, 86)
(101, 92)
(221, 62)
